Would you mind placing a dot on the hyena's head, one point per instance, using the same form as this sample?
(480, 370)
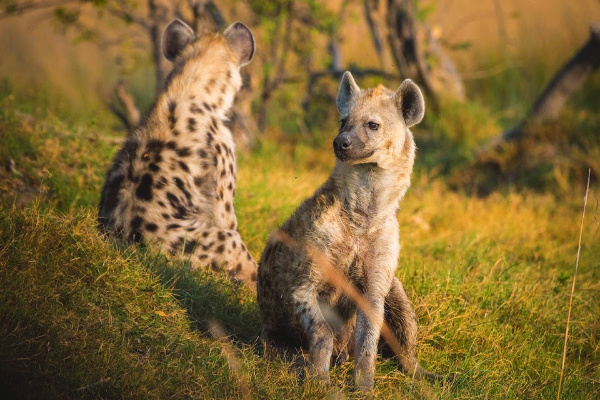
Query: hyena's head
(375, 122)
(236, 43)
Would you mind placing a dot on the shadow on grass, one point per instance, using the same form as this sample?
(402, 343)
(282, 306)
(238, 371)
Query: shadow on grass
(208, 298)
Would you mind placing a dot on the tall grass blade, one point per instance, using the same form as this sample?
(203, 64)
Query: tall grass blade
(564, 357)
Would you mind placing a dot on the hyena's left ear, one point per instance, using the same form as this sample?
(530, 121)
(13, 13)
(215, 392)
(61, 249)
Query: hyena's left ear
(241, 40)
(346, 93)
(176, 36)
(410, 102)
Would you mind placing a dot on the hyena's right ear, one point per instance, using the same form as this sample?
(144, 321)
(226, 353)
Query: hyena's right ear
(410, 102)
(241, 40)
(176, 36)
(348, 90)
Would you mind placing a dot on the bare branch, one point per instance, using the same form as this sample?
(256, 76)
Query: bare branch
(374, 29)
(565, 82)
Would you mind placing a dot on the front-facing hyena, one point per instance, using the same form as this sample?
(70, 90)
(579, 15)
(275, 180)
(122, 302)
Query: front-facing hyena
(349, 225)
(172, 184)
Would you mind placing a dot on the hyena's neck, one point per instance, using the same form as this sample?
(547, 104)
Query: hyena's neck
(196, 95)
(371, 190)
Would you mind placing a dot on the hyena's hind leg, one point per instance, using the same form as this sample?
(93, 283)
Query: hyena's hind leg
(402, 320)
(222, 250)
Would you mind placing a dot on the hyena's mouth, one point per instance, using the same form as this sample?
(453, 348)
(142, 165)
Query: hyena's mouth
(352, 157)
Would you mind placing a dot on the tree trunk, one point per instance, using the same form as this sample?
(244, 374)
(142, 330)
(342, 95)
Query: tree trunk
(404, 44)
(565, 82)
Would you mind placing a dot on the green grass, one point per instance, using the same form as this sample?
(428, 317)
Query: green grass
(81, 317)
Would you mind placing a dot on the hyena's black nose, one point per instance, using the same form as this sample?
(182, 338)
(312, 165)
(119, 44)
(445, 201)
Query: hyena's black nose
(342, 142)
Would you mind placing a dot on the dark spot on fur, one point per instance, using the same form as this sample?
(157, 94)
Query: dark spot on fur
(173, 226)
(218, 148)
(198, 181)
(223, 173)
(205, 234)
(228, 206)
(172, 119)
(154, 167)
(189, 246)
(183, 152)
(144, 189)
(214, 265)
(230, 186)
(171, 145)
(183, 166)
(234, 244)
(220, 249)
(221, 236)
(162, 181)
(207, 106)
(165, 216)
(202, 153)
(151, 227)
(191, 124)
(195, 109)
(253, 276)
(238, 267)
(175, 132)
(209, 139)
(176, 245)
(136, 236)
(232, 225)
(110, 194)
(173, 200)
(181, 186)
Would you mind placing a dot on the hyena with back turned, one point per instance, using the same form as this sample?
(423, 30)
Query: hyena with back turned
(348, 225)
(172, 184)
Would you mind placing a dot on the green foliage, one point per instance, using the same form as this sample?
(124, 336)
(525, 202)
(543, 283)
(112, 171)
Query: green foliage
(65, 17)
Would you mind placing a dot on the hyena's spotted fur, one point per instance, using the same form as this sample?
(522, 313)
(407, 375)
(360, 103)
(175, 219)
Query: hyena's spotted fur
(349, 224)
(172, 184)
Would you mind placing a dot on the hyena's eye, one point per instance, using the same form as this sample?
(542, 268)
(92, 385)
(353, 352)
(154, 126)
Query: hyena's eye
(373, 126)
(342, 123)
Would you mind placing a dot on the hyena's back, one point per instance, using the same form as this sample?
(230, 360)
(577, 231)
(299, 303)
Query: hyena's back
(172, 184)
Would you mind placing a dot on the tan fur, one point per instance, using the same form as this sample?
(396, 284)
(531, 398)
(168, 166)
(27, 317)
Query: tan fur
(172, 185)
(351, 222)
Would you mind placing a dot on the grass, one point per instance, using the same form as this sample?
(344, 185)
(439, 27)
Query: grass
(81, 317)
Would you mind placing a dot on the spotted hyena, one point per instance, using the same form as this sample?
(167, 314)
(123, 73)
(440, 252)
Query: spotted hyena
(348, 225)
(172, 184)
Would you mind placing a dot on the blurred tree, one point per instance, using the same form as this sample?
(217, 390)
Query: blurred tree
(417, 52)
(143, 22)
(290, 34)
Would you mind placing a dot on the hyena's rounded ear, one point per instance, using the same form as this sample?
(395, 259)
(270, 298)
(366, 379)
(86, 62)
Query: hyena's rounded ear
(346, 93)
(241, 40)
(175, 37)
(410, 102)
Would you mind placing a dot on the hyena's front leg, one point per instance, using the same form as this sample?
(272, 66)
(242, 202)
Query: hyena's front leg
(319, 334)
(368, 329)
